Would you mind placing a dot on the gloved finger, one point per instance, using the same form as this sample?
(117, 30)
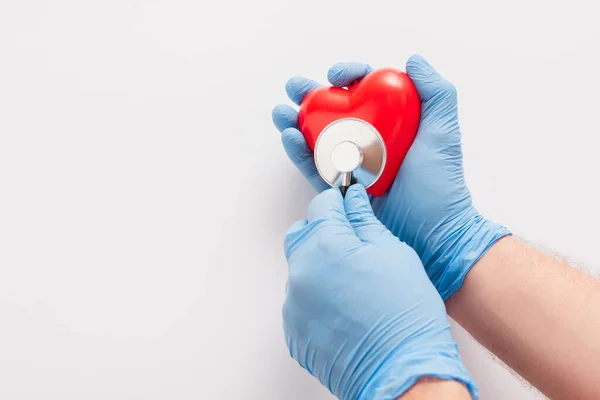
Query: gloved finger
(328, 205)
(327, 220)
(343, 74)
(438, 96)
(427, 80)
(327, 223)
(302, 156)
(284, 117)
(360, 215)
(297, 88)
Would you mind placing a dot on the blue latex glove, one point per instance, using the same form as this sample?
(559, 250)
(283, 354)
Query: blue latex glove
(429, 205)
(361, 315)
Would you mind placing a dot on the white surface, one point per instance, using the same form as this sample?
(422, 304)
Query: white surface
(144, 193)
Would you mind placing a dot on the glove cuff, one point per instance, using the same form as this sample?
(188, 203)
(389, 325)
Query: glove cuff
(466, 246)
(397, 376)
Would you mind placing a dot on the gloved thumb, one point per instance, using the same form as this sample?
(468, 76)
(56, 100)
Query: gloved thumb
(438, 96)
(326, 220)
(360, 215)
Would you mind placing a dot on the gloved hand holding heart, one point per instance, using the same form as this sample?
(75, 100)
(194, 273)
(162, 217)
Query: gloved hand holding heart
(386, 99)
(428, 202)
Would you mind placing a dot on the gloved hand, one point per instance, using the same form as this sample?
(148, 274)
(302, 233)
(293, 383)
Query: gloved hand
(428, 206)
(361, 315)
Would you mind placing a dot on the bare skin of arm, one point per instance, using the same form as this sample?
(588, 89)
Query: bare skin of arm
(538, 315)
(436, 389)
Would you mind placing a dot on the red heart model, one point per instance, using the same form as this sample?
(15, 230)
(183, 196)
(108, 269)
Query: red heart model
(385, 98)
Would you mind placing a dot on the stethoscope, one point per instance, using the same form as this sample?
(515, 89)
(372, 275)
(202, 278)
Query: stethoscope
(348, 151)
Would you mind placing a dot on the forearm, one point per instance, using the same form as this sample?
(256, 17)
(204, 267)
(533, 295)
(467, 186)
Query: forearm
(436, 389)
(538, 315)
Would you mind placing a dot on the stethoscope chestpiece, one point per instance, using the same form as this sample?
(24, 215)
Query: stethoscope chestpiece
(350, 150)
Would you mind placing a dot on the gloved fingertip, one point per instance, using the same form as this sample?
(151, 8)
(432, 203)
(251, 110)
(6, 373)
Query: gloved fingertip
(418, 68)
(297, 88)
(336, 74)
(427, 80)
(295, 145)
(361, 217)
(418, 59)
(291, 86)
(357, 200)
(327, 204)
(302, 156)
(358, 190)
(334, 195)
(284, 117)
(343, 74)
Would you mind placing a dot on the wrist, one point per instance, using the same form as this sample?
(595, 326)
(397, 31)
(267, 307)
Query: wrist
(436, 389)
(399, 374)
(463, 245)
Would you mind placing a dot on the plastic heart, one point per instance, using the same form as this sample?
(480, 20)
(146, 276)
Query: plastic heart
(386, 98)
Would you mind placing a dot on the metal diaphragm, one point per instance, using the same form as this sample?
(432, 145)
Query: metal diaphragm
(350, 145)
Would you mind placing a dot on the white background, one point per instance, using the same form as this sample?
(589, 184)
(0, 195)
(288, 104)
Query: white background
(144, 193)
